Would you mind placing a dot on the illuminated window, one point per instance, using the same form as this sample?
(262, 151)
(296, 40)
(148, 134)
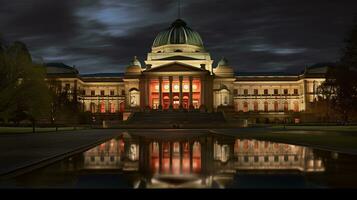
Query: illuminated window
(102, 107)
(256, 145)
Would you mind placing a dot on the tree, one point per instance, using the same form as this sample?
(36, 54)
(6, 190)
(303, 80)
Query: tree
(345, 77)
(327, 90)
(23, 89)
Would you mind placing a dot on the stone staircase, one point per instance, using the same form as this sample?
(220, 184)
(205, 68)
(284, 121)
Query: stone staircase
(176, 118)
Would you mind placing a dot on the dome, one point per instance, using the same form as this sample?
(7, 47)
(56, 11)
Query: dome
(178, 33)
(134, 67)
(223, 68)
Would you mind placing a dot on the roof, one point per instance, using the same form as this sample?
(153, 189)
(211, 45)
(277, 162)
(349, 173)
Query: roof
(103, 75)
(178, 33)
(60, 68)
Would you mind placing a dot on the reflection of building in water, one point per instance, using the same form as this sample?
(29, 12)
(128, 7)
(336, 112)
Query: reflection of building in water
(198, 161)
(105, 156)
(259, 155)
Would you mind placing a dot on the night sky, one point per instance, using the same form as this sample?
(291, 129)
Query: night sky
(254, 35)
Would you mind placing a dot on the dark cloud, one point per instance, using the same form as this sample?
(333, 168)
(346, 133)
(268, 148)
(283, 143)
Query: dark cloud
(255, 35)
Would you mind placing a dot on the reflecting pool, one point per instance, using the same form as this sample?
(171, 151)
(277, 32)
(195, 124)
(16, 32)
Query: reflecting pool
(194, 161)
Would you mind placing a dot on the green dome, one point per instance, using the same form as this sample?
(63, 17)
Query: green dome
(178, 33)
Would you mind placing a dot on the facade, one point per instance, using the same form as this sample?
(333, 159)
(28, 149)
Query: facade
(179, 74)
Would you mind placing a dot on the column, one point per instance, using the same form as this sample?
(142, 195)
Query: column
(203, 83)
(160, 157)
(171, 155)
(147, 92)
(181, 92)
(191, 93)
(171, 94)
(191, 156)
(160, 93)
(181, 157)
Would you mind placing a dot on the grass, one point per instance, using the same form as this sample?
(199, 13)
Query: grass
(7, 130)
(317, 128)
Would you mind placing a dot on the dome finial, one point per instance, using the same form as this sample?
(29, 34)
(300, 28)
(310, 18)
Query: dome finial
(135, 62)
(223, 62)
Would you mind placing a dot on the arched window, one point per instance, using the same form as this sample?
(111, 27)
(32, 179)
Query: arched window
(102, 107)
(112, 107)
(122, 106)
(276, 106)
(266, 106)
(256, 106)
(296, 106)
(286, 106)
(178, 50)
(93, 108)
(245, 107)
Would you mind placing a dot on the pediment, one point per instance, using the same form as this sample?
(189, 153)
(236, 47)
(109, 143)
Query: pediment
(176, 67)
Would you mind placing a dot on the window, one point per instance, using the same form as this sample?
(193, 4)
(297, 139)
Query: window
(296, 91)
(92, 92)
(296, 106)
(245, 107)
(276, 106)
(123, 92)
(256, 145)
(112, 93)
(245, 92)
(68, 86)
(83, 92)
(276, 158)
(296, 158)
(92, 158)
(286, 158)
(266, 92)
(256, 106)
(286, 107)
(256, 159)
(246, 159)
(102, 158)
(112, 159)
(102, 107)
(286, 91)
(112, 107)
(266, 107)
(235, 91)
(256, 92)
(102, 92)
(276, 91)
(266, 158)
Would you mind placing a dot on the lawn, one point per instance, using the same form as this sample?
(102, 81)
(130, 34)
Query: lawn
(7, 130)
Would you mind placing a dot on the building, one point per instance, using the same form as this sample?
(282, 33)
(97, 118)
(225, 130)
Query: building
(179, 74)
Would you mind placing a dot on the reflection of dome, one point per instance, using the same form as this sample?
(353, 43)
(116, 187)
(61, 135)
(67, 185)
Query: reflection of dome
(178, 33)
(135, 67)
(223, 68)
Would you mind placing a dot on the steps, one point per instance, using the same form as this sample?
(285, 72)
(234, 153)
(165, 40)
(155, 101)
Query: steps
(176, 117)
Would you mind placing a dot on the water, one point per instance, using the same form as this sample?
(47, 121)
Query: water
(194, 161)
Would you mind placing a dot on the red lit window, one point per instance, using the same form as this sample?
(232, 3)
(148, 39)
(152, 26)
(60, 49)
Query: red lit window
(276, 106)
(102, 107)
(256, 107)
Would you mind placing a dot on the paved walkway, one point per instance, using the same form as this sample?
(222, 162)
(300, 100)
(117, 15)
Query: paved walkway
(18, 151)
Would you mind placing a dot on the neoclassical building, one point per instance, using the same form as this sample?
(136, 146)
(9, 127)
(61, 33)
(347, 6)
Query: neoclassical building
(179, 74)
